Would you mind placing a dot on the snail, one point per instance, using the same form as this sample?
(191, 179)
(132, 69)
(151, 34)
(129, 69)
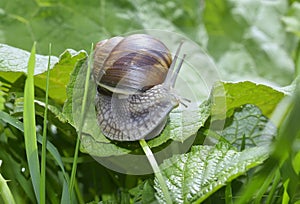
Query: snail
(135, 78)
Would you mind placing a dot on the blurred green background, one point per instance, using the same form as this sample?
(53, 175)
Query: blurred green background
(248, 39)
(77, 23)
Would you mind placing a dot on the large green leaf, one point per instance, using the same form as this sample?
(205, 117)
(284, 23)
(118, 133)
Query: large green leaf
(194, 176)
(182, 124)
(13, 62)
(227, 95)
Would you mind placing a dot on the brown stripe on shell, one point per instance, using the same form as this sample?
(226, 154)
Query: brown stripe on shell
(136, 62)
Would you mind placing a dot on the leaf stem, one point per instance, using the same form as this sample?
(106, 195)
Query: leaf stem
(156, 170)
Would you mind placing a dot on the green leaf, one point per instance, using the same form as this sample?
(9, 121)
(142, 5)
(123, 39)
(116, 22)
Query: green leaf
(194, 176)
(2, 95)
(81, 121)
(14, 60)
(44, 142)
(296, 163)
(67, 108)
(60, 74)
(55, 112)
(143, 193)
(30, 128)
(13, 64)
(248, 128)
(240, 93)
(281, 156)
(17, 176)
(184, 123)
(101, 146)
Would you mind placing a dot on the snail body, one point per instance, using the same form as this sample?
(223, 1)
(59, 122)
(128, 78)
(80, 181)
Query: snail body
(135, 78)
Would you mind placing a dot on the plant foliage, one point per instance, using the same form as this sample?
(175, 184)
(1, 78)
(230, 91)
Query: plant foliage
(237, 142)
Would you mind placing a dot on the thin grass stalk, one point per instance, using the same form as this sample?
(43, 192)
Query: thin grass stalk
(156, 170)
(44, 141)
(228, 194)
(272, 195)
(74, 167)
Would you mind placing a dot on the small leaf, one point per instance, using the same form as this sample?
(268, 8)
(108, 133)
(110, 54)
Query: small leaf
(143, 193)
(194, 176)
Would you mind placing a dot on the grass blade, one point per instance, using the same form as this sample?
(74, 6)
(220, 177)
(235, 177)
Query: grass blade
(44, 141)
(29, 126)
(272, 195)
(50, 147)
(228, 194)
(65, 194)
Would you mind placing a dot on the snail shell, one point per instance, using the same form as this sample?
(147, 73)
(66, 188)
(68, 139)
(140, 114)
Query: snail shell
(134, 63)
(134, 86)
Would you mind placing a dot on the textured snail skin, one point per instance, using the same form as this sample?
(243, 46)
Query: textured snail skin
(136, 116)
(133, 97)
